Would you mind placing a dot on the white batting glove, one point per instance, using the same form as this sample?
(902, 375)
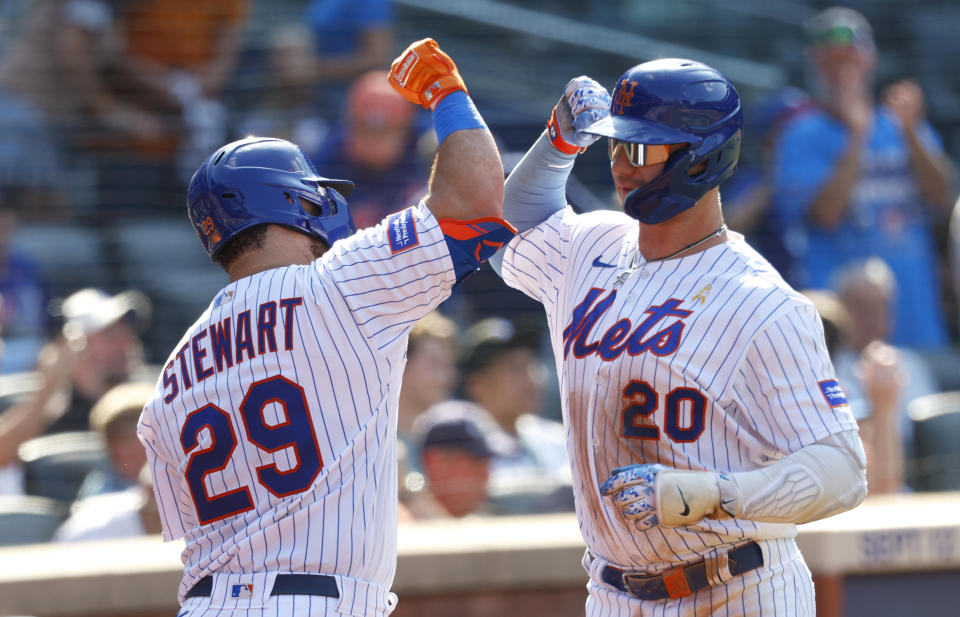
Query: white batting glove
(653, 494)
(584, 101)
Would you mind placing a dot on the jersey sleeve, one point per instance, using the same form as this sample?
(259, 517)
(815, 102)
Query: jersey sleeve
(787, 383)
(535, 260)
(394, 273)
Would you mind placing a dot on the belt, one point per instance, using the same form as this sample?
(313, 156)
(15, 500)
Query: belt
(683, 580)
(284, 585)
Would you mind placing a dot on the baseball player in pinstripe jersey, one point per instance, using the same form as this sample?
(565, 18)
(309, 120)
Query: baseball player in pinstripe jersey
(702, 413)
(272, 431)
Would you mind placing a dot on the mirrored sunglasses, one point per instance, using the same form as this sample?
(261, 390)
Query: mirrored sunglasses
(638, 155)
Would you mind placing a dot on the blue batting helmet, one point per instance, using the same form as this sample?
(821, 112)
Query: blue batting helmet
(674, 101)
(265, 180)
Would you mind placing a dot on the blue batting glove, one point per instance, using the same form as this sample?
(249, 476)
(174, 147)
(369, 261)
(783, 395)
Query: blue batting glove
(632, 491)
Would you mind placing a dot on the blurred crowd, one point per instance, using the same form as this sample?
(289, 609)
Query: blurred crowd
(844, 186)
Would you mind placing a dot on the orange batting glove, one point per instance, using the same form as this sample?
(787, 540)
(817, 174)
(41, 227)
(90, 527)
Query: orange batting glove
(424, 74)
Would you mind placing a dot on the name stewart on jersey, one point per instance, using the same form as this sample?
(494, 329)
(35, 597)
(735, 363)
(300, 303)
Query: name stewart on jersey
(228, 342)
(622, 336)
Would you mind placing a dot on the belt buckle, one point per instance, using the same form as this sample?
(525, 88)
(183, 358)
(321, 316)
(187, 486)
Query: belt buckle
(675, 581)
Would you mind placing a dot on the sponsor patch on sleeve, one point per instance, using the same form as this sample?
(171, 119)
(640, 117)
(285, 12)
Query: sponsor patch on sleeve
(833, 392)
(402, 231)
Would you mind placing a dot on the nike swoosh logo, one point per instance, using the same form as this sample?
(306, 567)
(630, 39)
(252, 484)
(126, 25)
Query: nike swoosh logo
(686, 506)
(599, 264)
(724, 502)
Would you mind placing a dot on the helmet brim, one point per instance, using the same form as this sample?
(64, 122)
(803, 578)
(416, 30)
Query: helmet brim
(638, 131)
(344, 187)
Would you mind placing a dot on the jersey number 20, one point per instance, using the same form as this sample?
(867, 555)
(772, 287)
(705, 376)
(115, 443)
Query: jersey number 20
(645, 400)
(296, 432)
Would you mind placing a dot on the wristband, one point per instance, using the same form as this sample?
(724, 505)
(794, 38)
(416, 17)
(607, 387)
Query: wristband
(556, 138)
(455, 112)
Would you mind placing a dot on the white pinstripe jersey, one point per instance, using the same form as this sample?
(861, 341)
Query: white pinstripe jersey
(272, 431)
(708, 361)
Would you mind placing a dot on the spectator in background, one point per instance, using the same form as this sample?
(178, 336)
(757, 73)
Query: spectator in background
(501, 372)
(129, 513)
(430, 375)
(96, 350)
(178, 56)
(856, 180)
(287, 108)
(882, 375)
(352, 37)
(454, 442)
(114, 417)
(748, 196)
(377, 147)
(874, 383)
(23, 306)
(53, 97)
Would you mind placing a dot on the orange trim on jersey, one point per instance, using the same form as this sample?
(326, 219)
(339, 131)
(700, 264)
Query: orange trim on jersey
(460, 229)
(675, 580)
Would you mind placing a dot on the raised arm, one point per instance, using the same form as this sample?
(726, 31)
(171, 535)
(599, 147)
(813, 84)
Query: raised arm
(467, 177)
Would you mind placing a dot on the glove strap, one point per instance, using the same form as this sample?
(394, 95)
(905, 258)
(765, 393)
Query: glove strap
(730, 504)
(556, 137)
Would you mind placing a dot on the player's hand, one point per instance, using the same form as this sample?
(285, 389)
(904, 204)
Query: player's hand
(584, 101)
(905, 99)
(652, 494)
(424, 74)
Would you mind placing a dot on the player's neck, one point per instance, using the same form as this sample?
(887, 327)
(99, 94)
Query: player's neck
(692, 231)
(281, 247)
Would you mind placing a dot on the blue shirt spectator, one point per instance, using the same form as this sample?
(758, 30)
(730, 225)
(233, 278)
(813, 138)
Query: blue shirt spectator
(888, 216)
(856, 179)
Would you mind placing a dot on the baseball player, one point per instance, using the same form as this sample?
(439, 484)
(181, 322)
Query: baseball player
(272, 430)
(703, 417)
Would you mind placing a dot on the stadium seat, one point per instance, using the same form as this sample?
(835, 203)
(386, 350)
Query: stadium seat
(68, 257)
(27, 519)
(55, 465)
(936, 433)
(181, 289)
(14, 387)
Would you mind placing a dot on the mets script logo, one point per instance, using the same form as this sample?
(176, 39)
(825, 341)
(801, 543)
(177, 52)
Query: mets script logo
(622, 336)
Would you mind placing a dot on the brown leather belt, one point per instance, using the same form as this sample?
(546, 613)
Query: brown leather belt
(683, 580)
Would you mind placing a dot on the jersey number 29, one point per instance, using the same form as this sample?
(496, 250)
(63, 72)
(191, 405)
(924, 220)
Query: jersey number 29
(296, 431)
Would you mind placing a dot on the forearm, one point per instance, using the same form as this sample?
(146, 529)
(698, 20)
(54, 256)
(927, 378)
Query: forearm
(25, 420)
(884, 449)
(815, 482)
(935, 173)
(536, 188)
(832, 202)
(467, 177)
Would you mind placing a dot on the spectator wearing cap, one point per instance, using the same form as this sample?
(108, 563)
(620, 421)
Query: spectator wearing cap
(378, 147)
(114, 417)
(856, 180)
(501, 372)
(453, 439)
(97, 349)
